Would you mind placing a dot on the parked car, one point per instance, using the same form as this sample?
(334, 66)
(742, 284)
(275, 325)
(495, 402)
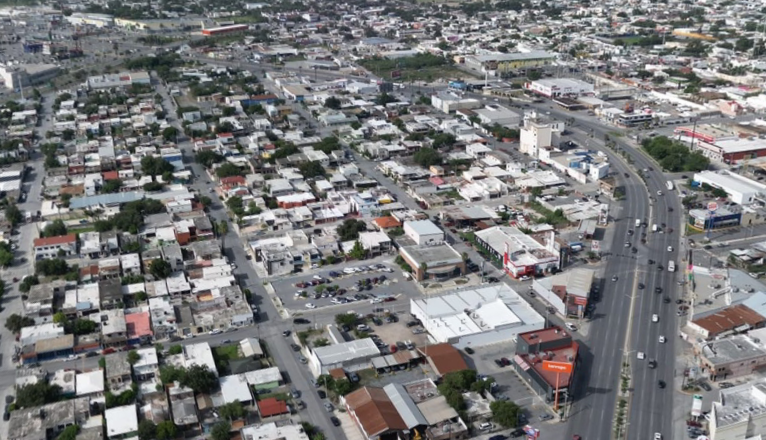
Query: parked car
(335, 421)
(295, 347)
(705, 386)
(301, 321)
(321, 394)
(469, 350)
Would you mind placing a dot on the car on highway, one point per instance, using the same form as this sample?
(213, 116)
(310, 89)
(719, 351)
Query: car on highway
(670, 248)
(659, 193)
(655, 318)
(661, 339)
(614, 278)
(657, 436)
(641, 355)
(658, 289)
(652, 364)
(666, 300)
(661, 384)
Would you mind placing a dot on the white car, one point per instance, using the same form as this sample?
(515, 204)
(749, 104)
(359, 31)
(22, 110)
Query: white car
(376, 301)
(336, 301)
(641, 355)
(657, 436)
(655, 318)
(216, 331)
(317, 277)
(525, 278)
(571, 327)
(349, 270)
(659, 193)
(662, 339)
(670, 248)
(311, 306)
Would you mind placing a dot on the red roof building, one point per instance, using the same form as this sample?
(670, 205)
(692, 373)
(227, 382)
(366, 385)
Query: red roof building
(53, 247)
(535, 349)
(272, 407)
(139, 327)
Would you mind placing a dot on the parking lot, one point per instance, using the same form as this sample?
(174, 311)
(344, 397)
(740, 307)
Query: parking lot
(319, 289)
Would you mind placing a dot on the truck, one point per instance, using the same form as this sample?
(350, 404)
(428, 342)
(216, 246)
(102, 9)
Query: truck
(671, 266)
(654, 227)
(669, 184)
(638, 222)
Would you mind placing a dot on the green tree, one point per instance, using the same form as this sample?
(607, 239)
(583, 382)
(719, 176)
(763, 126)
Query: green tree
(200, 379)
(232, 411)
(133, 357)
(28, 282)
(425, 157)
(169, 133)
(147, 430)
(153, 186)
(175, 349)
(160, 268)
(311, 169)
(37, 394)
(67, 135)
(349, 319)
(54, 229)
(350, 229)
(207, 158)
(155, 166)
(6, 255)
(60, 318)
(228, 170)
(443, 140)
(357, 252)
(69, 433)
(221, 431)
(505, 413)
(84, 327)
(52, 267)
(333, 103)
(111, 186)
(166, 430)
(13, 215)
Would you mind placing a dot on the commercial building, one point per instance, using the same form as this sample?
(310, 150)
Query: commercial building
(534, 136)
(741, 190)
(740, 413)
(734, 319)
(223, 30)
(399, 410)
(521, 254)
(567, 292)
(502, 63)
(271, 430)
(124, 79)
(433, 262)
(723, 217)
(27, 75)
(449, 102)
(90, 19)
(496, 114)
(424, 232)
(547, 360)
(476, 317)
(351, 355)
(735, 356)
(560, 87)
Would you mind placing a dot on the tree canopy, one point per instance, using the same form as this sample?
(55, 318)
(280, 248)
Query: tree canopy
(15, 322)
(51, 267)
(36, 394)
(160, 268)
(350, 229)
(674, 156)
(228, 170)
(155, 166)
(426, 157)
(505, 413)
(13, 215)
(311, 169)
(54, 229)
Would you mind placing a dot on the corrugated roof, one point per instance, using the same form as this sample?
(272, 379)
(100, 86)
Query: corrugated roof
(59, 239)
(444, 358)
(106, 199)
(408, 411)
(374, 411)
(729, 319)
(271, 407)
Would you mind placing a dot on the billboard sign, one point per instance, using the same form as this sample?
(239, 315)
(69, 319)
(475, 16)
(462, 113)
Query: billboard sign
(557, 367)
(712, 206)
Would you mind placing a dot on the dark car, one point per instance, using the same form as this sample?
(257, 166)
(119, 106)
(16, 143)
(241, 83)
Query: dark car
(492, 280)
(505, 362)
(652, 364)
(658, 289)
(705, 386)
(499, 363)
(335, 421)
(286, 333)
(301, 321)
(469, 350)
(497, 437)
(321, 394)
(516, 433)
(661, 384)
(6, 416)
(413, 324)
(666, 300)
(295, 347)
(640, 286)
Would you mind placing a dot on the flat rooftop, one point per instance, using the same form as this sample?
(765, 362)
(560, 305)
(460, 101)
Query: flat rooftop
(739, 403)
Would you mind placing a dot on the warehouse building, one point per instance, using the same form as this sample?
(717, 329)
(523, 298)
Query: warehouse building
(560, 87)
(351, 356)
(476, 317)
(741, 190)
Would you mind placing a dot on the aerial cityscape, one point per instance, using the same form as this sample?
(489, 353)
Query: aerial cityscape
(366, 220)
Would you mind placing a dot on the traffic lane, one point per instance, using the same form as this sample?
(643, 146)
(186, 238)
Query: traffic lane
(279, 348)
(591, 414)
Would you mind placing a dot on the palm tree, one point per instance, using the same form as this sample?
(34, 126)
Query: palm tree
(222, 229)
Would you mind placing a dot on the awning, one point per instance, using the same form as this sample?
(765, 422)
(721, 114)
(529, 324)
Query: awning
(441, 270)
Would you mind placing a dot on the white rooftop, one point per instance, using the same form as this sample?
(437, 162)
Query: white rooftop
(91, 382)
(121, 420)
(346, 351)
(200, 354)
(235, 389)
(272, 431)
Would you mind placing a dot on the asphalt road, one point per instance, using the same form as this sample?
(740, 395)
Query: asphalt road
(270, 326)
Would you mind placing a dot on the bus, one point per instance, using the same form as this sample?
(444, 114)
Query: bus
(671, 266)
